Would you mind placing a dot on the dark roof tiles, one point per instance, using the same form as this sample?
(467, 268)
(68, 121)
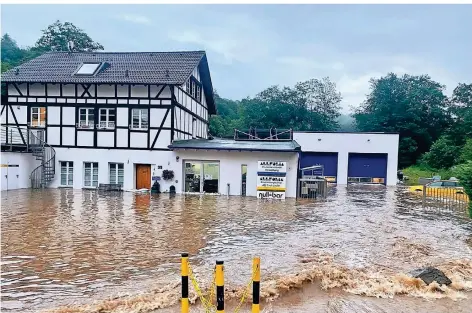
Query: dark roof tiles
(143, 67)
(173, 68)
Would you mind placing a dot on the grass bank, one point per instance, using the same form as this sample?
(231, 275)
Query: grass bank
(414, 172)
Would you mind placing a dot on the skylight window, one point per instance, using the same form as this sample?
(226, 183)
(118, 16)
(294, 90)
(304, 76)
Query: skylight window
(87, 69)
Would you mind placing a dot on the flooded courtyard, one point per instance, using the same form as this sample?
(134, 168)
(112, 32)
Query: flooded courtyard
(120, 252)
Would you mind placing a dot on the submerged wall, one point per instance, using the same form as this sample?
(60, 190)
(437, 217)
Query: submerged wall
(230, 168)
(345, 143)
(16, 170)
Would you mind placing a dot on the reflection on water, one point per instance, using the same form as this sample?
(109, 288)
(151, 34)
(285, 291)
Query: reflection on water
(61, 245)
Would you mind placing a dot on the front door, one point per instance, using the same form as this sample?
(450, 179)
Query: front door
(143, 176)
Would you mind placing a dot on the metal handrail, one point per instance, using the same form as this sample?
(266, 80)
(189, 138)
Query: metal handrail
(45, 172)
(18, 136)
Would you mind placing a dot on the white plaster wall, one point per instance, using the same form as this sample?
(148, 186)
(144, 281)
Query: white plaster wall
(156, 117)
(230, 168)
(53, 136)
(85, 138)
(53, 115)
(27, 163)
(105, 139)
(344, 143)
(103, 156)
(68, 136)
(68, 116)
(138, 140)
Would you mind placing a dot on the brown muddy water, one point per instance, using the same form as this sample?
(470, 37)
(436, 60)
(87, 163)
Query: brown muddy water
(81, 251)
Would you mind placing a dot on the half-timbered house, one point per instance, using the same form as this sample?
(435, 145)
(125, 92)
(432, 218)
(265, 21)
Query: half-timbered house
(78, 120)
(119, 110)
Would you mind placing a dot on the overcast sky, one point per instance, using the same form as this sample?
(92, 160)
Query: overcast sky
(251, 47)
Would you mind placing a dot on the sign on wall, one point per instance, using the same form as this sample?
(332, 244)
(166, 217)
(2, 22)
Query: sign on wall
(271, 179)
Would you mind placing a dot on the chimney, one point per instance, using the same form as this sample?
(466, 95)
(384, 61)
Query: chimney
(126, 73)
(70, 46)
(167, 73)
(17, 71)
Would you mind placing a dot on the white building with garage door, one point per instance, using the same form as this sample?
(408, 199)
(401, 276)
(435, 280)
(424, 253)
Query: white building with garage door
(81, 119)
(351, 157)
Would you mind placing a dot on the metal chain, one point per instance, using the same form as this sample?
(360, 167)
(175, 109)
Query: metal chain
(246, 292)
(207, 304)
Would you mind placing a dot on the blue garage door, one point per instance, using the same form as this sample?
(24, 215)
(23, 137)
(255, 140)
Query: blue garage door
(367, 168)
(328, 160)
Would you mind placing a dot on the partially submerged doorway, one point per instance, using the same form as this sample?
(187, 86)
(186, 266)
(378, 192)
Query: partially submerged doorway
(201, 176)
(143, 176)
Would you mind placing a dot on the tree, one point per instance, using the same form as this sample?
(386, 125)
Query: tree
(57, 36)
(413, 106)
(319, 97)
(464, 174)
(466, 152)
(11, 53)
(443, 154)
(461, 110)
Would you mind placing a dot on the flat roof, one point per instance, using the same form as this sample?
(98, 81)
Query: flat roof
(237, 145)
(343, 132)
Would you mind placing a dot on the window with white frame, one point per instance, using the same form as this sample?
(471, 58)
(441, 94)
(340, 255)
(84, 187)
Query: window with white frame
(107, 119)
(194, 128)
(67, 173)
(38, 117)
(90, 174)
(86, 118)
(187, 86)
(193, 88)
(199, 93)
(139, 119)
(116, 173)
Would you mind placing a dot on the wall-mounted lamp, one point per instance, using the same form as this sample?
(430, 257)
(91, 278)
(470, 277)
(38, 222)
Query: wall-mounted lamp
(319, 139)
(177, 158)
(368, 140)
(128, 161)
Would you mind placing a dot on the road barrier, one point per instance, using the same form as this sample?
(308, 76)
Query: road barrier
(218, 284)
(445, 198)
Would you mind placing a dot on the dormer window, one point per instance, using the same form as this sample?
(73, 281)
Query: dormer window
(87, 69)
(194, 88)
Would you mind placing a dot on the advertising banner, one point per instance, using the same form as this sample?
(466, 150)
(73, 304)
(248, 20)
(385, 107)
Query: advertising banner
(272, 167)
(271, 179)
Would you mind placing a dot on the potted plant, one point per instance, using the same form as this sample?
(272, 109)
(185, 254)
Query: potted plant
(167, 174)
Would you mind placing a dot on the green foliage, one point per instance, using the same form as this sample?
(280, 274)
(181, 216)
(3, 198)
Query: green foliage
(414, 172)
(11, 53)
(317, 98)
(464, 173)
(466, 152)
(57, 36)
(461, 110)
(413, 106)
(310, 105)
(443, 153)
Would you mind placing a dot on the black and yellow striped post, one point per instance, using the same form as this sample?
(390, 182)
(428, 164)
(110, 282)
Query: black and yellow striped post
(256, 284)
(184, 273)
(220, 287)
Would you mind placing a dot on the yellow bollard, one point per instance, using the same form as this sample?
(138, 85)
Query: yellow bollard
(184, 273)
(256, 284)
(220, 287)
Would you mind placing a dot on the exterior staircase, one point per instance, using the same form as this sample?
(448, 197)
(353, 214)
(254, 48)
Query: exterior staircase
(21, 139)
(42, 175)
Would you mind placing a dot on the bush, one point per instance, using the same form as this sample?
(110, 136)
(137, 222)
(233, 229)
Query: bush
(466, 152)
(423, 170)
(464, 173)
(443, 154)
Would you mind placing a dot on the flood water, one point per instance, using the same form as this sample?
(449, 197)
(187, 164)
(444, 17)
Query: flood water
(120, 252)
